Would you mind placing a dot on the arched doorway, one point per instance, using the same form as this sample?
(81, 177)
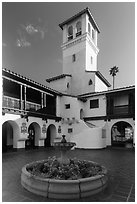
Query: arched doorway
(10, 131)
(33, 137)
(51, 134)
(121, 134)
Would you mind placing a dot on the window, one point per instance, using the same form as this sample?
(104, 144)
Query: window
(93, 34)
(90, 82)
(70, 32)
(89, 29)
(94, 103)
(70, 130)
(91, 59)
(78, 28)
(73, 58)
(67, 106)
(68, 85)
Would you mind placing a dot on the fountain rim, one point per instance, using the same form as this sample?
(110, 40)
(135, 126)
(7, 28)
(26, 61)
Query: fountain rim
(24, 170)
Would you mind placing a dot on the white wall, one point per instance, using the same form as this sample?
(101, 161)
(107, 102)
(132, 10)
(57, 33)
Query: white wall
(90, 138)
(101, 111)
(61, 84)
(99, 85)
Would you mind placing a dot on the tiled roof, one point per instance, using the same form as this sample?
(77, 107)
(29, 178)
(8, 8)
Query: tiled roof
(30, 80)
(58, 77)
(106, 92)
(86, 10)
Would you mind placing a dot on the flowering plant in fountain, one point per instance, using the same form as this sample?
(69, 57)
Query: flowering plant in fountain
(76, 169)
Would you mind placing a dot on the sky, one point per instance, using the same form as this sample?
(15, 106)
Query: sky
(32, 39)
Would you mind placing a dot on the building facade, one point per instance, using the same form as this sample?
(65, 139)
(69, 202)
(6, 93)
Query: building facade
(78, 103)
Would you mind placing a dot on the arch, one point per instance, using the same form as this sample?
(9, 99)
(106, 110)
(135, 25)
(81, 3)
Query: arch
(10, 133)
(121, 133)
(33, 137)
(51, 134)
(78, 28)
(81, 114)
(90, 82)
(70, 32)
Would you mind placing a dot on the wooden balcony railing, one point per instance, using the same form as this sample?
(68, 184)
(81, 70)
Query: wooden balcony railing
(13, 103)
(121, 109)
(32, 106)
(9, 102)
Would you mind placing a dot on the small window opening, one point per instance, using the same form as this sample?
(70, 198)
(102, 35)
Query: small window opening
(67, 106)
(90, 82)
(73, 58)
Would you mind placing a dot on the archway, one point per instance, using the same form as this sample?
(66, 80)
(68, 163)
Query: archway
(33, 137)
(10, 132)
(51, 134)
(121, 134)
(81, 114)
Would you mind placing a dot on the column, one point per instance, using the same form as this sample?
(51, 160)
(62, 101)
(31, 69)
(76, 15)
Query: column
(24, 97)
(21, 97)
(41, 99)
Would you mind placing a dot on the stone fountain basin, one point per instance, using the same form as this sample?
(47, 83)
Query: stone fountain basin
(64, 189)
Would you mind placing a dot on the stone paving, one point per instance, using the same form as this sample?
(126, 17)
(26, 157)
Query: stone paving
(119, 162)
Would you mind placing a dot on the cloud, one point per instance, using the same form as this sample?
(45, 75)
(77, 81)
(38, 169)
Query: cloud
(22, 43)
(31, 30)
(26, 32)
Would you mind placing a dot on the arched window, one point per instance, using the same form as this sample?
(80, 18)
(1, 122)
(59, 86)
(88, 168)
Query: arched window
(90, 82)
(93, 34)
(78, 28)
(70, 32)
(89, 29)
(91, 59)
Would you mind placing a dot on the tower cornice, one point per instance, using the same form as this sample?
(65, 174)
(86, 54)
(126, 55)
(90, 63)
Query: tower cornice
(82, 38)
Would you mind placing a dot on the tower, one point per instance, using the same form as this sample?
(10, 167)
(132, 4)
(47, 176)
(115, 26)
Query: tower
(80, 51)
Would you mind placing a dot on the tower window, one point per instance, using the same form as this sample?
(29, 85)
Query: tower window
(89, 29)
(70, 32)
(78, 28)
(93, 34)
(90, 82)
(91, 59)
(68, 85)
(94, 103)
(73, 58)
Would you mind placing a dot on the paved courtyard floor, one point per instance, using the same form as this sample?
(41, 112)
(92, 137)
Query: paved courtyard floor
(119, 162)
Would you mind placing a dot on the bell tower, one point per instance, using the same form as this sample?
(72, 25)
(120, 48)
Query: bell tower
(79, 47)
(80, 51)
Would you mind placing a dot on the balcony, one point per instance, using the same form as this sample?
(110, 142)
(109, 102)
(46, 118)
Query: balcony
(121, 109)
(9, 102)
(16, 104)
(32, 106)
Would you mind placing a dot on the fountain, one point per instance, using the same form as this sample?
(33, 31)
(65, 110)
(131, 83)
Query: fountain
(64, 178)
(64, 146)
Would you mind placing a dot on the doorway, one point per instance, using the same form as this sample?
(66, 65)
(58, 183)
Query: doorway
(122, 134)
(51, 134)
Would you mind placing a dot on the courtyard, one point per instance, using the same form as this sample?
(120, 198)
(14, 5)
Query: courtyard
(120, 163)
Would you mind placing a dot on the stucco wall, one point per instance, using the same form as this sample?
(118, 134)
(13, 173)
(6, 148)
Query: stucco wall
(101, 111)
(99, 85)
(61, 84)
(89, 139)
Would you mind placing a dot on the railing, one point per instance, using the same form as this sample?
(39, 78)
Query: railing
(9, 102)
(32, 106)
(13, 103)
(121, 109)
